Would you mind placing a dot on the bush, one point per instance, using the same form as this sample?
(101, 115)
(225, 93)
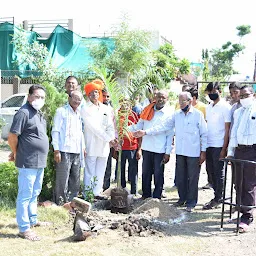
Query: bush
(8, 182)
(54, 99)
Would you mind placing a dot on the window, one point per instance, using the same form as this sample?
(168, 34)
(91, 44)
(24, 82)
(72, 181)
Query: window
(13, 102)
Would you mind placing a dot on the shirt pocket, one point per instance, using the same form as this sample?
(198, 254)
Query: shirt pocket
(252, 123)
(105, 120)
(191, 128)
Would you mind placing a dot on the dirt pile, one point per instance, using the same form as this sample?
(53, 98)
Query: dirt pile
(156, 209)
(147, 217)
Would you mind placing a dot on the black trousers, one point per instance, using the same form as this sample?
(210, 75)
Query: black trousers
(248, 189)
(152, 165)
(215, 168)
(187, 176)
(107, 176)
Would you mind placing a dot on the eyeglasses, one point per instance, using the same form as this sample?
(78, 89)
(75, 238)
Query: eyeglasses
(38, 97)
(183, 101)
(244, 96)
(76, 99)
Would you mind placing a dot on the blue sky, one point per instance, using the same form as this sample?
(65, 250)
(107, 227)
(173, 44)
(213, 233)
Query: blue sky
(191, 25)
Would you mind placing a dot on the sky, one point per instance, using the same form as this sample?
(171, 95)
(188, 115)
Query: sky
(190, 25)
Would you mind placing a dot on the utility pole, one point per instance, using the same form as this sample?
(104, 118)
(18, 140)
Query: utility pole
(254, 73)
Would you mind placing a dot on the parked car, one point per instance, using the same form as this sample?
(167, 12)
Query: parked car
(8, 109)
(13, 103)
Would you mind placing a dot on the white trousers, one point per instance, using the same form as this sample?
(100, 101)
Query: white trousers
(94, 167)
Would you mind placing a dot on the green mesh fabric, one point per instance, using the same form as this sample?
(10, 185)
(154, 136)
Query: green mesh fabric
(68, 51)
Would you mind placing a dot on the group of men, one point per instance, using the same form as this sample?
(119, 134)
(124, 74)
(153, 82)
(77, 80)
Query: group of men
(83, 133)
(211, 135)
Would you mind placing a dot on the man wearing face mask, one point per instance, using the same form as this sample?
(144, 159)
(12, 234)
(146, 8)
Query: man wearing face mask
(29, 144)
(242, 145)
(218, 117)
(191, 141)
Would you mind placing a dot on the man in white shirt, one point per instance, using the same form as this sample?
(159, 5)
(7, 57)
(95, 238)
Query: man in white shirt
(242, 145)
(155, 149)
(68, 143)
(218, 117)
(99, 137)
(191, 141)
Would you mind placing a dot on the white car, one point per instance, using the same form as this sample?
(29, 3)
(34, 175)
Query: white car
(13, 103)
(8, 109)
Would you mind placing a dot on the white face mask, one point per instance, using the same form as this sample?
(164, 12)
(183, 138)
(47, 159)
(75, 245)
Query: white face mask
(247, 102)
(37, 104)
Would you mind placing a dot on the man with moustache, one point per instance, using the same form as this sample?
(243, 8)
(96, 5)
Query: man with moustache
(99, 137)
(155, 149)
(68, 143)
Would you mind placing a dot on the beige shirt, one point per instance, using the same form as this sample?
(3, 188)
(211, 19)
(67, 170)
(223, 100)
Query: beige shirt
(98, 129)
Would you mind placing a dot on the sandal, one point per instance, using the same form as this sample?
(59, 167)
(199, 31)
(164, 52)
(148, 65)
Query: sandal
(243, 227)
(211, 205)
(41, 224)
(29, 235)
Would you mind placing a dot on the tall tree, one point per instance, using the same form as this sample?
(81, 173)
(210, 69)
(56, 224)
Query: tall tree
(222, 59)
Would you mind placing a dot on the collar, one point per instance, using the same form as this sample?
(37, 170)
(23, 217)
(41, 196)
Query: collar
(218, 103)
(30, 106)
(191, 110)
(89, 103)
(163, 109)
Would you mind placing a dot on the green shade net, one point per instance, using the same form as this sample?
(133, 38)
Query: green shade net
(67, 50)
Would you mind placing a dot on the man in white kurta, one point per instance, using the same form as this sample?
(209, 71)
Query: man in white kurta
(99, 135)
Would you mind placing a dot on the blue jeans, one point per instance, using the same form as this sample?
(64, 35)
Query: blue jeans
(152, 165)
(30, 185)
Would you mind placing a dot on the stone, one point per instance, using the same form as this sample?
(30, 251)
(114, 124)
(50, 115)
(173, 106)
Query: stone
(81, 205)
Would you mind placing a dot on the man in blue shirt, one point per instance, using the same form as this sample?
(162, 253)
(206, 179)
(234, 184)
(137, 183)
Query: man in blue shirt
(191, 141)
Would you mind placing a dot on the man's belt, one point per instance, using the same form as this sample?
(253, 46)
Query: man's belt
(246, 146)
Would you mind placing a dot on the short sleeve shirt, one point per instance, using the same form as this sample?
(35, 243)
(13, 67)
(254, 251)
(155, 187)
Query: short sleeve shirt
(33, 144)
(216, 116)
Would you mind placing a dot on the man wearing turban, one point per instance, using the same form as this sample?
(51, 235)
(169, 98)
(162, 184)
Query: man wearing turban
(99, 136)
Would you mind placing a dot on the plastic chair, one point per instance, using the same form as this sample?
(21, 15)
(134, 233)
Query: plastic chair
(229, 200)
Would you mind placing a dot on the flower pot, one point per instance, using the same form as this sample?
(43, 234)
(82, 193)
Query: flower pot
(119, 198)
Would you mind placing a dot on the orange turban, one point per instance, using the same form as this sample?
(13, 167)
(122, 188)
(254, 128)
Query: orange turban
(99, 82)
(96, 84)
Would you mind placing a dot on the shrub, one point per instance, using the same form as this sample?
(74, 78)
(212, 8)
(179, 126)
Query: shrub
(8, 182)
(54, 99)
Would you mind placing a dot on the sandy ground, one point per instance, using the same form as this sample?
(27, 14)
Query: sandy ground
(196, 233)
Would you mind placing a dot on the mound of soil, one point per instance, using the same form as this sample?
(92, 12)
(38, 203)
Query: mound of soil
(157, 210)
(148, 217)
